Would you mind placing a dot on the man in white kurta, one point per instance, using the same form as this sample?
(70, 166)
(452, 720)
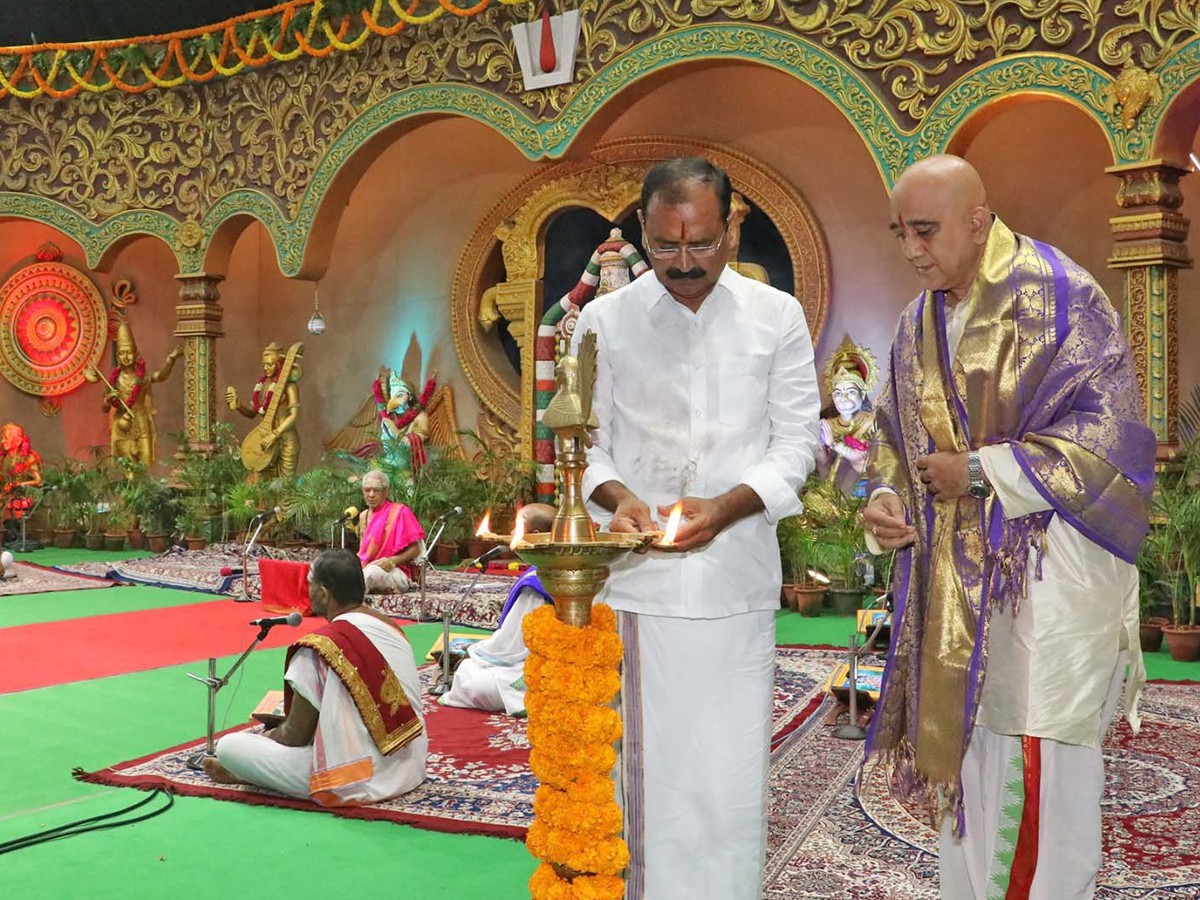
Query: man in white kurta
(706, 394)
(324, 750)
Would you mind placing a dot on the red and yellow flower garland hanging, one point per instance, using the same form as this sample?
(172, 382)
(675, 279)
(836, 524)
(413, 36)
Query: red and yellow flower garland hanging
(571, 677)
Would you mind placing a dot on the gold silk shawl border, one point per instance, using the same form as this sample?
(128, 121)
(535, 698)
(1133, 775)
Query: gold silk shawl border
(392, 693)
(954, 582)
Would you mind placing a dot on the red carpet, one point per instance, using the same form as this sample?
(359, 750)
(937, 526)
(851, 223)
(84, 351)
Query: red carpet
(477, 774)
(99, 646)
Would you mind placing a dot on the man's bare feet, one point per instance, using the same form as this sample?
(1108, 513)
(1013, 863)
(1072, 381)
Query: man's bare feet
(217, 772)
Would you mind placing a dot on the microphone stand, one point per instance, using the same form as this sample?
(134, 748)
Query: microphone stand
(423, 563)
(852, 731)
(214, 684)
(262, 520)
(446, 678)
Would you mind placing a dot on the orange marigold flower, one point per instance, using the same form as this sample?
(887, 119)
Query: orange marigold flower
(591, 646)
(545, 884)
(604, 856)
(559, 809)
(576, 722)
(593, 686)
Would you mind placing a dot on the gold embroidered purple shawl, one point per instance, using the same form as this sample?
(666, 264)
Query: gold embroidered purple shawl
(1042, 366)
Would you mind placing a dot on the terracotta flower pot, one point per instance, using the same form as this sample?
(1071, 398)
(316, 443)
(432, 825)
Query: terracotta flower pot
(93, 540)
(808, 599)
(64, 537)
(195, 543)
(1150, 634)
(158, 543)
(114, 540)
(136, 538)
(1183, 642)
(444, 553)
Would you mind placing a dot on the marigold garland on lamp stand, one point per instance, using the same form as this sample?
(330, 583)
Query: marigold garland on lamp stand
(577, 830)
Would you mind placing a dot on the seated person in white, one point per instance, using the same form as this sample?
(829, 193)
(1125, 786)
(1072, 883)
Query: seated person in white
(492, 677)
(390, 538)
(353, 731)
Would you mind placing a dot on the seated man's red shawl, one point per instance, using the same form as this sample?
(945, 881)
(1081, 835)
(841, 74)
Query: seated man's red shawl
(377, 692)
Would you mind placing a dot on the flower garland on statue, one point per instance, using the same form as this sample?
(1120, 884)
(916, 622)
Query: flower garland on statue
(406, 419)
(267, 381)
(140, 374)
(571, 676)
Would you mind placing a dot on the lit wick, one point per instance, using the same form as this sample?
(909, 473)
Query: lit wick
(668, 537)
(485, 526)
(518, 530)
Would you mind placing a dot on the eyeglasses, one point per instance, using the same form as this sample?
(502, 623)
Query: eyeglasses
(697, 251)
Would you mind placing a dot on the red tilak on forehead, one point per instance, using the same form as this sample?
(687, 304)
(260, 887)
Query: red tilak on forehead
(682, 231)
(900, 216)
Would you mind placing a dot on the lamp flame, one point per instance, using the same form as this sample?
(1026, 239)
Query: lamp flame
(668, 537)
(485, 525)
(518, 530)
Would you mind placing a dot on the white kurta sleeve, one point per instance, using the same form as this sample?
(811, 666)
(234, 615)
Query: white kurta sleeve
(794, 408)
(1013, 488)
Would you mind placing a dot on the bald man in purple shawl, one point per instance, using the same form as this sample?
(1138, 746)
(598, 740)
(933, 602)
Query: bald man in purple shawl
(1012, 471)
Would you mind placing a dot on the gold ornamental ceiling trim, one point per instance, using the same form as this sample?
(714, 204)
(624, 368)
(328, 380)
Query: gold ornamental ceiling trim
(285, 32)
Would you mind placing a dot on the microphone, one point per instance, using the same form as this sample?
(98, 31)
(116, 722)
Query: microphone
(350, 514)
(290, 619)
(481, 560)
(269, 514)
(226, 571)
(457, 511)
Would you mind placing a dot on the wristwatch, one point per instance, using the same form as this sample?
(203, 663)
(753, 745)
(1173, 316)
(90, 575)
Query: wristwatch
(978, 486)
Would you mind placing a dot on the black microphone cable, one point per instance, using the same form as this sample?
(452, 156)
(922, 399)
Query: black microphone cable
(92, 823)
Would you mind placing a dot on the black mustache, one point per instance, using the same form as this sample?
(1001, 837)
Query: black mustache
(689, 275)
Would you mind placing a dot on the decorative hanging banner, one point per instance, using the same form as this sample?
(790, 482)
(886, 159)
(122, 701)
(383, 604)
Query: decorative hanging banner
(54, 327)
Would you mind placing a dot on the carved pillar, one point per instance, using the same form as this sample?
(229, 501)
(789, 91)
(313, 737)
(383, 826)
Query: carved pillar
(198, 322)
(520, 302)
(1150, 244)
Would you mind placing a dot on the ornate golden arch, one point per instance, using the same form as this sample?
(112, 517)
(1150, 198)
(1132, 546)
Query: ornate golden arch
(609, 183)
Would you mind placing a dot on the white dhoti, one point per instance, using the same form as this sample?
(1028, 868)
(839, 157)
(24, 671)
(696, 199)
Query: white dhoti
(379, 581)
(696, 698)
(1068, 850)
(492, 677)
(259, 760)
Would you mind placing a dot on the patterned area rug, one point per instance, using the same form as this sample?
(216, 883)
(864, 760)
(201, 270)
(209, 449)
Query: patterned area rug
(29, 578)
(829, 838)
(200, 570)
(478, 768)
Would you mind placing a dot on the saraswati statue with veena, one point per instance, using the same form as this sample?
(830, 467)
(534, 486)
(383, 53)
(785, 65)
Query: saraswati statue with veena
(272, 448)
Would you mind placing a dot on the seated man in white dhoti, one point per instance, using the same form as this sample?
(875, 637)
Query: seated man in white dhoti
(352, 730)
(492, 677)
(391, 538)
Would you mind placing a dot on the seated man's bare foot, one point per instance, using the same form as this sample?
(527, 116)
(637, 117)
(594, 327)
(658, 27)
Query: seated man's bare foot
(218, 773)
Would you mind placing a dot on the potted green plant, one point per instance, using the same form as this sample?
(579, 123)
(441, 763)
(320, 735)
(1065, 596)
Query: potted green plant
(1150, 598)
(158, 506)
(194, 521)
(206, 476)
(317, 498)
(1171, 555)
(799, 553)
(837, 521)
(65, 485)
(504, 481)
